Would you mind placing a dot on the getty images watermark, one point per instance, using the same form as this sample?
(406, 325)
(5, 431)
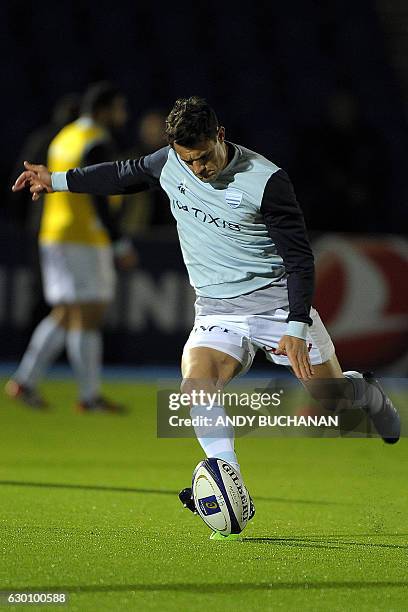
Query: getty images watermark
(281, 407)
(206, 411)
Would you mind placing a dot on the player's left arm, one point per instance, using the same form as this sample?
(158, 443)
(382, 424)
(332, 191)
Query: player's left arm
(286, 227)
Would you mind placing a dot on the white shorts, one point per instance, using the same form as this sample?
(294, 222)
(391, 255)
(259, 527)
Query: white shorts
(75, 273)
(241, 336)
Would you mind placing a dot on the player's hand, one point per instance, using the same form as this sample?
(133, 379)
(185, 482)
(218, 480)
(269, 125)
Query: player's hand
(37, 177)
(296, 351)
(128, 261)
(126, 256)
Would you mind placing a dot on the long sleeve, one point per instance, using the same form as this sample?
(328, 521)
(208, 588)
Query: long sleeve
(120, 177)
(108, 218)
(284, 221)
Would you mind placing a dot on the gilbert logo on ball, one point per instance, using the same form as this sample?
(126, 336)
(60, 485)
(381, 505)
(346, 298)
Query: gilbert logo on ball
(361, 295)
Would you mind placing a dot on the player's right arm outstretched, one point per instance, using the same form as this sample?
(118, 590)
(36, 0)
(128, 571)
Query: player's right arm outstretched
(109, 178)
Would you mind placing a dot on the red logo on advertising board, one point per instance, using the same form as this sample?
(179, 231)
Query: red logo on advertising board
(362, 297)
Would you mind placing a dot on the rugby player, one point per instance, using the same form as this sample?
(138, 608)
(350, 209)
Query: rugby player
(247, 253)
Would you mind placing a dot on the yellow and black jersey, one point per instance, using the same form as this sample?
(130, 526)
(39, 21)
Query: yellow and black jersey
(69, 217)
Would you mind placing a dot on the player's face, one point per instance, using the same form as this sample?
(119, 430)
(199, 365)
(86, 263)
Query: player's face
(207, 158)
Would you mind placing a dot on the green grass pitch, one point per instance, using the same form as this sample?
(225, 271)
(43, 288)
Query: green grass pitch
(89, 506)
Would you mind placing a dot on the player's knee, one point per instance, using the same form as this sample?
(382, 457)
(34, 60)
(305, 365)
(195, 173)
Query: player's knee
(227, 369)
(196, 386)
(60, 314)
(87, 316)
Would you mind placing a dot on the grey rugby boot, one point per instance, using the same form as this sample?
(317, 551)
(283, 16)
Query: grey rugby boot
(387, 421)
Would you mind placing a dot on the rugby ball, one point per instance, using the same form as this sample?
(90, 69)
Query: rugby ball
(220, 496)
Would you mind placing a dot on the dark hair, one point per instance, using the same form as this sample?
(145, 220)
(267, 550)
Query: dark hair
(190, 121)
(99, 96)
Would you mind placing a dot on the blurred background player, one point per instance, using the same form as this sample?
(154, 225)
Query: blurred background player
(78, 238)
(21, 211)
(148, 210)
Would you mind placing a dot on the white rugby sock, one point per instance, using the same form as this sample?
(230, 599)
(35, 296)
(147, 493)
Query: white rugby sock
(216, 441)
(365, 394)
(84, 350)
(45, 345)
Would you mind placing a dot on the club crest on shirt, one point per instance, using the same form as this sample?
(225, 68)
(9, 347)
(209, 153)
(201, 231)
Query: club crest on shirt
(233, 197)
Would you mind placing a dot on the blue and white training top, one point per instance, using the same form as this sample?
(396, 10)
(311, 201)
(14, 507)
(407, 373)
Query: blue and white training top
(240, 233)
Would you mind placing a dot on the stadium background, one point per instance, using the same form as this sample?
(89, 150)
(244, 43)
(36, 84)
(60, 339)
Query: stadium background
(89, 502)
(283, 79)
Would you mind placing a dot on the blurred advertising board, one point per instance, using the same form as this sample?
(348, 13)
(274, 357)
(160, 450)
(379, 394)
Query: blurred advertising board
(361, 295)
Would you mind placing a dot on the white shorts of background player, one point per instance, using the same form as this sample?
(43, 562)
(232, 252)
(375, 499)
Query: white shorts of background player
(77, 273)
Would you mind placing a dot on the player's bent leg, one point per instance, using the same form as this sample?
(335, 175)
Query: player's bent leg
(329, 385)
(337, 390)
